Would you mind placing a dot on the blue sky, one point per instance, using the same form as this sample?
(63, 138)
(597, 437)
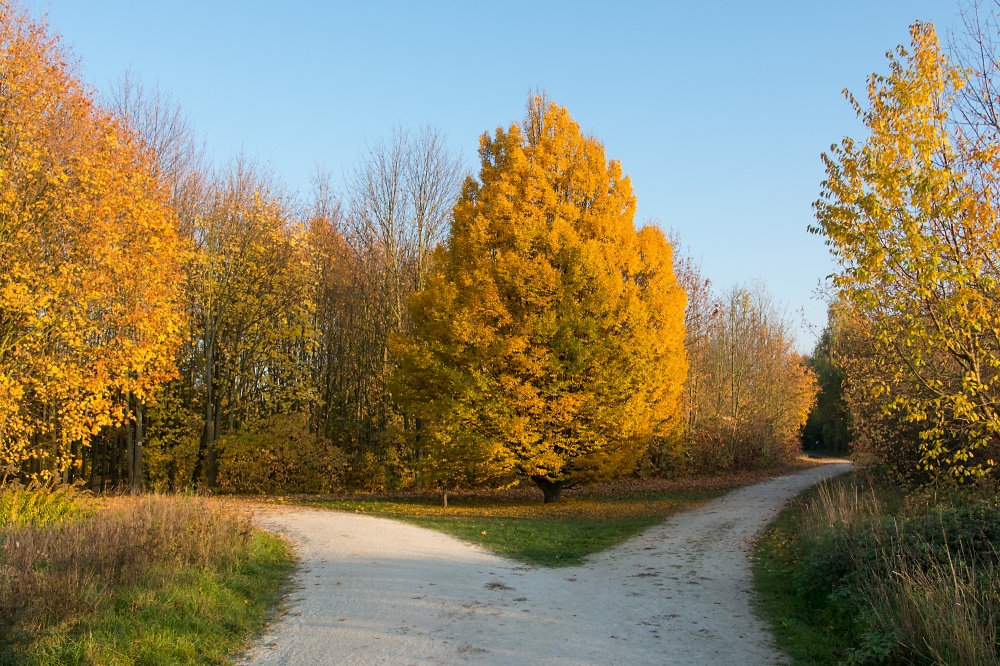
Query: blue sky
(718, 110)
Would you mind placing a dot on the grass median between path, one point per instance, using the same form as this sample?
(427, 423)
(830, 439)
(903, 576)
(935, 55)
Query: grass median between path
(122, 581)
(516, 524)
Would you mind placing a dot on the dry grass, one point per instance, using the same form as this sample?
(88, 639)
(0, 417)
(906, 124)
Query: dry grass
(54, 573)
(841, 504)
(940, 610)
(942, 615)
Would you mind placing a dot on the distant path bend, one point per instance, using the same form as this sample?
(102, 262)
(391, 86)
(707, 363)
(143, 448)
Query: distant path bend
(376, 591)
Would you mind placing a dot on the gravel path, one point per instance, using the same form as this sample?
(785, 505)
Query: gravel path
(376, 591)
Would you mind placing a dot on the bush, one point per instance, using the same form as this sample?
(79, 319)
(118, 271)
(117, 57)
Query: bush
(39, 505)
(279, 455)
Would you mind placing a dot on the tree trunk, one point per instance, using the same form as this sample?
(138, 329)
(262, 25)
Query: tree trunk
(550, 489)
(444, 498)
(104, 465)
(129, 480)
(206, 458)
(113, 463)
(420, 450)
(92, 476)
(137, 485)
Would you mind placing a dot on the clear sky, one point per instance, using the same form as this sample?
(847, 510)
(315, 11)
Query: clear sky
(718, 110)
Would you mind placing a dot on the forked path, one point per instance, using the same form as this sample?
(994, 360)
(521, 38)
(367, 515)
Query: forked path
(376, 591)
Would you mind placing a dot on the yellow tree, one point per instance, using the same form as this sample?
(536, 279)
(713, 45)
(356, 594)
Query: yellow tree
(910, 215)
(549, 339)
(89, 275)
(249, 280)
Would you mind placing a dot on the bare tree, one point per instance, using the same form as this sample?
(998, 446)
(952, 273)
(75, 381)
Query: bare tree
(976, 50)
(160, 122)
(432, 183)
(400, 197)
(370, 255)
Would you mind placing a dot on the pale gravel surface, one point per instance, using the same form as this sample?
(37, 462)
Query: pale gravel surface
(376, 591)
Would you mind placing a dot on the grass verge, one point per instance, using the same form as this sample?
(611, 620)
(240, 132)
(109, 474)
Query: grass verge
(516, 524)
(155, 580)
(807, 631)
(856, 573)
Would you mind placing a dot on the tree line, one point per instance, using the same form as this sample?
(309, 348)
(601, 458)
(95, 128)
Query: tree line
(910, 359)
(173, 323)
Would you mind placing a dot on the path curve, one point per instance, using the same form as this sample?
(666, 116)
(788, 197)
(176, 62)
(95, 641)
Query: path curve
(376, 591)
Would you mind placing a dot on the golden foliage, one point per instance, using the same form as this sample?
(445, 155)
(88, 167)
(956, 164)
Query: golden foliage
(911, 215)
(549, 338)
(89, 270)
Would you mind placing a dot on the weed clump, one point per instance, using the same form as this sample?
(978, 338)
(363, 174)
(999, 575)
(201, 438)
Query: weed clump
(38, 506)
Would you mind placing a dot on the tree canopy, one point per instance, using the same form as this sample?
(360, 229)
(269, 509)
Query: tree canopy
(89, 258)
(910, 213)
(549, 340)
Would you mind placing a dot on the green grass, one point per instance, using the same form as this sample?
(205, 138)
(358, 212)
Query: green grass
(559, 534)
(194, 616)
(802, 627)
(859, 573)
(169, 612)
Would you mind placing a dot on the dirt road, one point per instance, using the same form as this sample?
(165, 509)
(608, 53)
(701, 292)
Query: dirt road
(375, 591)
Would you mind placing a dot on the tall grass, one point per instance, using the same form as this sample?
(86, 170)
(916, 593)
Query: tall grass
(901, 581)
(50, 572)
(940, 615)
(132, 580)
(939, 601)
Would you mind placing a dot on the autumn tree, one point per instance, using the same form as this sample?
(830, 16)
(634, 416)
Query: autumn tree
(753, 392)
(167, 134)
(89, 268)
(246, 388)
(159, 121)
(549, 338)
(250, 289)
(910, 213)
(883, 439)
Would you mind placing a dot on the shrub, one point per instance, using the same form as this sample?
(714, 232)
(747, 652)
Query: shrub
(279, 455)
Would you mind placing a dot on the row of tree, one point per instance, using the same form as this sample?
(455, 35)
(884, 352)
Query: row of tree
(749, 391)
(164, 321)
(90, 262)
(911, 356)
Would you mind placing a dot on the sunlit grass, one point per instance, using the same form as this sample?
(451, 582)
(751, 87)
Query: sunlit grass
(858, 573)
(801, 626)
(152, 580)
(519, 526)
(560, 534)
